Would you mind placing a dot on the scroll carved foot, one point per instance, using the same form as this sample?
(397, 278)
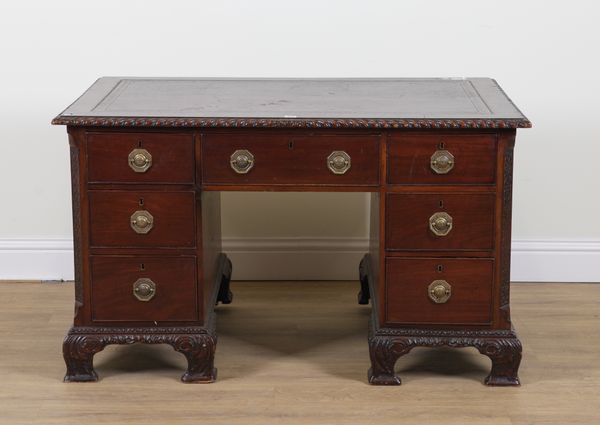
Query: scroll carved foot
(78, 352)
(384, 353)
(225, 295)
(199, 351)
(363, 294)
(505, 354)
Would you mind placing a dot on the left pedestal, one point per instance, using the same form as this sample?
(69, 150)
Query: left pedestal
(147, 244)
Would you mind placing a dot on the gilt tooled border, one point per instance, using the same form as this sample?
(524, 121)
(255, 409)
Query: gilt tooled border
(291, 123)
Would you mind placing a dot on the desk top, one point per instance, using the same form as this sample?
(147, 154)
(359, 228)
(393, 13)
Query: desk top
(294, 103)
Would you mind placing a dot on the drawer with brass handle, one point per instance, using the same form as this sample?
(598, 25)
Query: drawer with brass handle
(138, 288)
(140, 157)
(440, 221)
(441, 158)
(142, 219)
(446, 290)
(289, 159)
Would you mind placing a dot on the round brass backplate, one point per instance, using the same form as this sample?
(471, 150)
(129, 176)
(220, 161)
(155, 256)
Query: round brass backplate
(439, 291)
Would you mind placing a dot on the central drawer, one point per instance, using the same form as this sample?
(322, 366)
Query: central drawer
(286, 159)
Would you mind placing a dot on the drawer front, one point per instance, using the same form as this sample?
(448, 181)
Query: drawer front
(162, 219)
(291, 159)
(410, 218)
(118, 281)
(472, 157)
(140, 158)
(467, 287)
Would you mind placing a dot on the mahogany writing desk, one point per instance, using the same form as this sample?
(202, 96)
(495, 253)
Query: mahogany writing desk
(150, 156)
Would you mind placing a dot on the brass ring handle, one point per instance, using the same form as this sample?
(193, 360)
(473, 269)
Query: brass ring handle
(144, 289)
(440, 223)
(439, 291)
(442, 162)
(241, 161)
(140, 160)
(339, 162)
(141, 222)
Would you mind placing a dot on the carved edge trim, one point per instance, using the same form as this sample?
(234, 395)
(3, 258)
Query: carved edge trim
(290, 123)
(141, 331)
(403, 344)
(440, 333)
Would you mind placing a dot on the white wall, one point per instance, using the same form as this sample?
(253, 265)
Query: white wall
(543, 53)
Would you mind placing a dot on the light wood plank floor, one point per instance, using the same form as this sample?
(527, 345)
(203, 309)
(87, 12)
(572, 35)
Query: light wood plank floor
(296, 353)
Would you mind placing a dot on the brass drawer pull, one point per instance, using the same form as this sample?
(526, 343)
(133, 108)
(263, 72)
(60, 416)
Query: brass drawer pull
(142, 222)
(241, 161)
(439, 291)
(339, 162)
(442, 162)
(140, 160)
(440, 223)
(144, 289)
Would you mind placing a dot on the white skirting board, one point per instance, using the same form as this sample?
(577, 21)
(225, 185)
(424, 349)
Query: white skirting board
(310, 259)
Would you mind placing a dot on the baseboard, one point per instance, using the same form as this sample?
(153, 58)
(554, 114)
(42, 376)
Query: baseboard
(310, 259)
(295, 258)
(36, 259)
(555, 261)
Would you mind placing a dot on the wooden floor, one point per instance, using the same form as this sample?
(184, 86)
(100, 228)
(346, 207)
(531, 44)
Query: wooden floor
(296, 353)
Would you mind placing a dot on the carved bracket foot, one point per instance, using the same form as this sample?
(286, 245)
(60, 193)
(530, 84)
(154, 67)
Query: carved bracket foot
(505, 354)
(78, 352)
(387, 345)
(196, 344)
(199, 351)
(384, 352)
(225, 295)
